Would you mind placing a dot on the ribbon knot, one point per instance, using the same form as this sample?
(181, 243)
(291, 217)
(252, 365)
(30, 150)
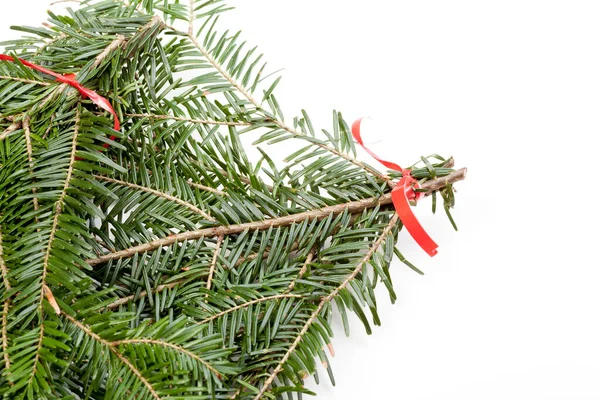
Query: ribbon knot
(402, 194)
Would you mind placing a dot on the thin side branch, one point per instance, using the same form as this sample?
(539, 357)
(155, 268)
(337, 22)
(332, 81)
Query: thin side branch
(157, 194)
(112, 347)
(248, 304)
(45, 291)
(29, 148)
(12, 78)
(322, 304)
(191, 120)
(171, 346)
(278, 123)
(206, 188)
(3, 268)
(307, 261)
(5, 308)
(143, 293)
(213, 264)
(352, 207)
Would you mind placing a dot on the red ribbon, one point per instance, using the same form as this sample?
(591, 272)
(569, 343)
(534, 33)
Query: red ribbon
(70, 80)
(402, 194)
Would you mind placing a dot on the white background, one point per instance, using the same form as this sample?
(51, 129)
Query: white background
(510, 307)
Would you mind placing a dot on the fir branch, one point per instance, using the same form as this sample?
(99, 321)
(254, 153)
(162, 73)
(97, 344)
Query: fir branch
(240, 88)
(249, 300)
(324, 301)
(262, 255)
(244, 179)
(157, 194)
(352, 207)
(191, 18)
(171, 285)
(45, 291)
(5, 310)
(112, 348)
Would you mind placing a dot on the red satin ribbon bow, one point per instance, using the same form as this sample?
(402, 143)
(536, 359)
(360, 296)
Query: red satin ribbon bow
(402, 194)
(70, 80)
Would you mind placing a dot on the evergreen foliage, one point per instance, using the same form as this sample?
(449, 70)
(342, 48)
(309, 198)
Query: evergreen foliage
(168, 265)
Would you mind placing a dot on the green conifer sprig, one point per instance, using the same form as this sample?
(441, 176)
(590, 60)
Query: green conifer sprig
(170, 265)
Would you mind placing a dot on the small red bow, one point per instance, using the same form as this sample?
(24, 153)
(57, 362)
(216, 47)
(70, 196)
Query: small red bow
(402, 194)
